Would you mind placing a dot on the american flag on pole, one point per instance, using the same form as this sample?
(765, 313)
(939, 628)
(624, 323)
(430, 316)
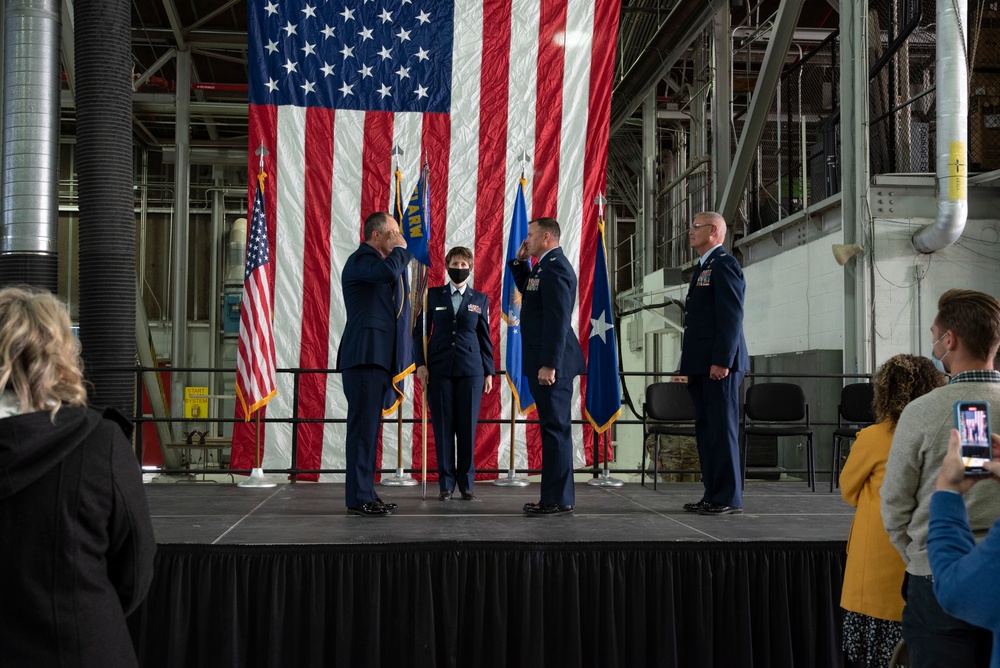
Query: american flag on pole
(468, 85)
(255, 377)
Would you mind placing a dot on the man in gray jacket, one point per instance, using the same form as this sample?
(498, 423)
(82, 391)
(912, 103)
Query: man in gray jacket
(966, 336)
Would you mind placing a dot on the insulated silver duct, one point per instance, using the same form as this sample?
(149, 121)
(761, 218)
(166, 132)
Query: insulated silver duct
(29, 198)
(952, 78)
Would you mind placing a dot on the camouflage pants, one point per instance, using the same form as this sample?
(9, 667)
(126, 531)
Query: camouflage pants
(676, 452)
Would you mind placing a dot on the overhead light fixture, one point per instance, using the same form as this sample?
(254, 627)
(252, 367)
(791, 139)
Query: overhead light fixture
(844, 252)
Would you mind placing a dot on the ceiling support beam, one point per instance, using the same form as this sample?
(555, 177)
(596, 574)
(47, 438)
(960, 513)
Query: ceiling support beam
(722, 102)
(763, 94)
(176, 27)
(673, 39)
(153, 69)
(68, 45)
(212, 14)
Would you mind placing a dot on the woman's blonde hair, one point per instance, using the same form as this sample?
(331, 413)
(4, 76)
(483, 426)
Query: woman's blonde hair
(39, 358)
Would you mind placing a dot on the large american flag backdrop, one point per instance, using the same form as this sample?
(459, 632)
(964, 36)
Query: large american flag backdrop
(469, 86)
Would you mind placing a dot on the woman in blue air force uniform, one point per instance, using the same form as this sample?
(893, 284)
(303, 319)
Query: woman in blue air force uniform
(457, 370)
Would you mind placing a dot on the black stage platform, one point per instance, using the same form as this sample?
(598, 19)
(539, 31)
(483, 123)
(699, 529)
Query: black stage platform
(284, 577)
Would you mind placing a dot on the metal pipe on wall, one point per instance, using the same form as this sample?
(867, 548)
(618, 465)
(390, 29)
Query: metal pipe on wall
(214, 303)
(182, 185)
(649, 182)
(951, 144)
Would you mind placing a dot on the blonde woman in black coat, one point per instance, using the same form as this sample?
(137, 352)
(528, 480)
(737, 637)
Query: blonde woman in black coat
(77, 548)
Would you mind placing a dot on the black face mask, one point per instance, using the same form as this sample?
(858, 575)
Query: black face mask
(458, 276)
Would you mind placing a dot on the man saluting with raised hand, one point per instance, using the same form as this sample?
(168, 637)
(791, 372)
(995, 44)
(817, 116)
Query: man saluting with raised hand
(552, 356)
(371, 281)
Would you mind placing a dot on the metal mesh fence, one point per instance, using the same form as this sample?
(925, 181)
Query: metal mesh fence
(902, 85)
(984, 86)
(797, 158)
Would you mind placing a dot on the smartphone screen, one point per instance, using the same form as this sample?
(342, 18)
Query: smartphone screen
(972, 419)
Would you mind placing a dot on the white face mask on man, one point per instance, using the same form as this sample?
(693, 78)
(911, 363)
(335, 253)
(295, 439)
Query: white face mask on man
(939, 363)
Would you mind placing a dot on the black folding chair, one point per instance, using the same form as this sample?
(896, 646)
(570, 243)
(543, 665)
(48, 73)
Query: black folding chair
(668, 411)
(854, 413)
(778, 409)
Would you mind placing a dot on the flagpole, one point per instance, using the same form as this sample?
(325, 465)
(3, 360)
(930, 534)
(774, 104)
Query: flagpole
(605, 480)
(256, 478)
(423, 414)
(512, 479)
(400, 479)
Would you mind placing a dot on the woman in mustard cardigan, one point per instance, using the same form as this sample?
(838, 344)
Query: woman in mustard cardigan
(873, 576)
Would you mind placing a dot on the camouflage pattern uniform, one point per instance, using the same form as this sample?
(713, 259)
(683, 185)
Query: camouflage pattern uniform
(676, 452)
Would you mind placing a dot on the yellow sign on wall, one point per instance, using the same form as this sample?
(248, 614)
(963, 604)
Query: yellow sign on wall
(195, 402)
(958, 171)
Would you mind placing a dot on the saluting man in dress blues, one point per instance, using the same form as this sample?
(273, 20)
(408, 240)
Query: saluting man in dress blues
(714, 358)
(372, 280)
(458, 369)
(552, 356)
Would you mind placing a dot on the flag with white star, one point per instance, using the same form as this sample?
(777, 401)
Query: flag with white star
(336, 88)
(604, 392)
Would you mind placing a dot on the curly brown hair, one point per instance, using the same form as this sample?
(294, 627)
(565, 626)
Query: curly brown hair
(900, 380)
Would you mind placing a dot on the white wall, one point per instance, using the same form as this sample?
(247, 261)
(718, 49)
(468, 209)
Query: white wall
(795, 301)
(907, 284)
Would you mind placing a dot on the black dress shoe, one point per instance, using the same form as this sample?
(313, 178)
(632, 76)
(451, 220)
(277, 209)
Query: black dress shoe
(540, 509)
(719, 509)
(389, 506)
(373, 509)
(695, 507)
(444, 496)
(468, 496)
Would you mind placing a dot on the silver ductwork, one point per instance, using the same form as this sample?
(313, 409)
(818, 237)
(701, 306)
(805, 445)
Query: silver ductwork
(952, 79)
(29, 203)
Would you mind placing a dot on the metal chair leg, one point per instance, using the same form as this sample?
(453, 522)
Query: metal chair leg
(642, 476)
(835, 464)
(743, 463)
(656, 459)
(812, 463)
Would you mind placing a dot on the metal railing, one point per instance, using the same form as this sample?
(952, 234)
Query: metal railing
(629, 406)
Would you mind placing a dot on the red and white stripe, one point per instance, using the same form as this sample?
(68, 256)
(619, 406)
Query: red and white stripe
(527, 76)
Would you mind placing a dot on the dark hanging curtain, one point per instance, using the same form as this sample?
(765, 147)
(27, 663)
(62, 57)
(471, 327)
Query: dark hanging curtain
(684, 605)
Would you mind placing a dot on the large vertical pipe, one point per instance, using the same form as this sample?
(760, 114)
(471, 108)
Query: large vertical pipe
(103, 53)
(722, 103)
(178, 261)
(854, 178)
(649, 182)
(29, 203)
